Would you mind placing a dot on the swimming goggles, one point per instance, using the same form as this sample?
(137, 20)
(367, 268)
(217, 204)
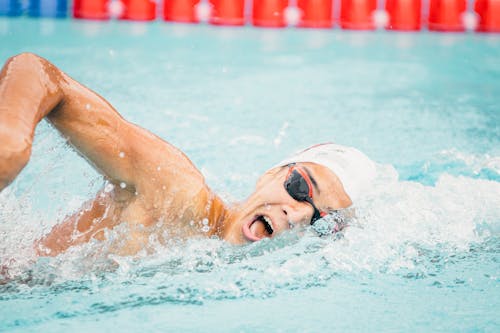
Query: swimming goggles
(299, 186)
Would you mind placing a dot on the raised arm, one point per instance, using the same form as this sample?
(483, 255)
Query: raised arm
(27, 94)
(32, 88)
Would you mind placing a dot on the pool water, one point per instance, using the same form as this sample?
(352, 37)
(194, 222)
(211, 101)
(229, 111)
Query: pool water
(423, 253)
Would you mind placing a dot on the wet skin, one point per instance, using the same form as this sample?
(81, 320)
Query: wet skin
(155, 186)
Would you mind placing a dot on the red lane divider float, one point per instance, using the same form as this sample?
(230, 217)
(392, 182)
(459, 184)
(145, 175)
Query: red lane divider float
(91, 9)
(357, 14)
(489, 15)
(443, 15)
(228, 12)
(138, 10)
(315, 13)
(180, 11)
(404, 14)
(269, 13)
(447, 15)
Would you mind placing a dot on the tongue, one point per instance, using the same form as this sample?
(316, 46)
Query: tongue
(258, 229)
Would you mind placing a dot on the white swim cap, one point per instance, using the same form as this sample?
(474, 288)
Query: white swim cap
(354, 169)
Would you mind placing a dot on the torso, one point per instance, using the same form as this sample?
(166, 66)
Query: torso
(137, 222)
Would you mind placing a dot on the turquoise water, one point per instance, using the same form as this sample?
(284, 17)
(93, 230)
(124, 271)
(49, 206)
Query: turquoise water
(422, 255)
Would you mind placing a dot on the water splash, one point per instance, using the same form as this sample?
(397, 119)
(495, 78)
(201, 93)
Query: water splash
(402, 228)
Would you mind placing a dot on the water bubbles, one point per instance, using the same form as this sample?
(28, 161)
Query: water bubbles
(333, 222)
(205, 228)
(153, 239)
(108, 187)
(165, 234)
(123, 185)
(324, 226)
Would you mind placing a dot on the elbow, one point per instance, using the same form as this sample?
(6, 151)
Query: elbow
(24, 58)
(24, 65)
(21, 61)
(27, 65)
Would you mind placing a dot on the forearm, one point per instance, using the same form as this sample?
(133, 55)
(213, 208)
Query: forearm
(29, 90)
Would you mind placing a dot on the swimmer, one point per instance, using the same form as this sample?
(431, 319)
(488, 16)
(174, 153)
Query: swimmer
(152, 186)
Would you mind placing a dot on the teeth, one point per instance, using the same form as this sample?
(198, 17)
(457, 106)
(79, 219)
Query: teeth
(268, 221)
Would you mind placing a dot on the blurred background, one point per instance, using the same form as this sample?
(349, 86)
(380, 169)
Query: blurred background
(238, 86)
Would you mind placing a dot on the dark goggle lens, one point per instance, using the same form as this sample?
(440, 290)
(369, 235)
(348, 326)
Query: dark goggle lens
(297, 187)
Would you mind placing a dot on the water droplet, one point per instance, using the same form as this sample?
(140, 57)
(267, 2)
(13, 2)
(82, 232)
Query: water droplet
(109, 187)
(121, 154)
(123, 185)
(205, 228)
(87, 106)
(204, 221)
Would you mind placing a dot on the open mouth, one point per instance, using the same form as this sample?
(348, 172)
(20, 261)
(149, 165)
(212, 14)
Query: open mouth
(259, 227)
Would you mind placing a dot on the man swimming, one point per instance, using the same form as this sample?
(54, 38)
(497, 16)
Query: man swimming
(156, 187)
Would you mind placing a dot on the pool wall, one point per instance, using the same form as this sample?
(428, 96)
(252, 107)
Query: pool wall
(402, 15)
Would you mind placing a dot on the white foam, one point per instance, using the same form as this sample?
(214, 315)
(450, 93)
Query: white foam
(399, 217)
(476, 162)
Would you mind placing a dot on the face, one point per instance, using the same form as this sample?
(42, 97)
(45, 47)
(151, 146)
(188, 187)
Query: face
(271, 209)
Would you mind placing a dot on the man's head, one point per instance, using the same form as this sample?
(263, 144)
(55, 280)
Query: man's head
(300, 190)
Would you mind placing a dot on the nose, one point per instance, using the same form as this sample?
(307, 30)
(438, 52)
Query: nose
(301, 212)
